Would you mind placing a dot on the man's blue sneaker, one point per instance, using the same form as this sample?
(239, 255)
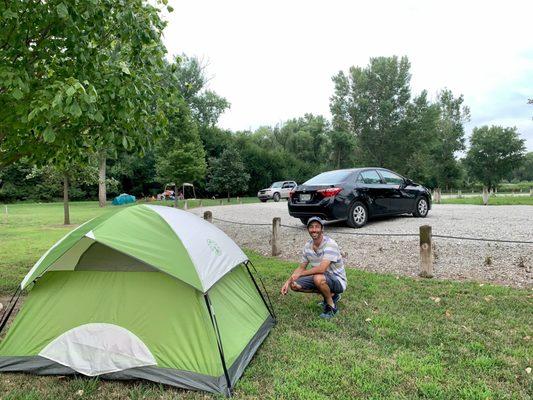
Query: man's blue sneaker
(329, 312)
(336, 297)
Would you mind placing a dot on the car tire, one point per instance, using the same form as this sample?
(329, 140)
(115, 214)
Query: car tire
(304, 220)
(276, 197)
(421, 208)
(358, 215)
(263, 200)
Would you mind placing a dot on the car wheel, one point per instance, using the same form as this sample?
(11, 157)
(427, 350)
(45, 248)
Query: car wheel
(276, 197)
(263, 200)
(304, 220)
(358, 215)
(421, 208)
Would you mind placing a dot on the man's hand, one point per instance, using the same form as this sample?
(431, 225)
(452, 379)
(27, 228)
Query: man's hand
(285, 287)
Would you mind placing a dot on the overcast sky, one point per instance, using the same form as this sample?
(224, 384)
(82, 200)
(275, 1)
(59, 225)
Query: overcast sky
(273, 60)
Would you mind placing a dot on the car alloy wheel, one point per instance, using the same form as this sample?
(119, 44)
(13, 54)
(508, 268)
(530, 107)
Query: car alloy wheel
(358, 215)
(421, 208)
(276, 197)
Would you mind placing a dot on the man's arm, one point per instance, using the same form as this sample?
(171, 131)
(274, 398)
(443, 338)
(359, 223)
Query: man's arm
(295, 275)
(319, 269)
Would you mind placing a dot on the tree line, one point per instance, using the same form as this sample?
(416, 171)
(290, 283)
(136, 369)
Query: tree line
(91, 104)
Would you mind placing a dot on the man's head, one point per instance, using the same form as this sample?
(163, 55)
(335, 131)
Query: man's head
(315, 227)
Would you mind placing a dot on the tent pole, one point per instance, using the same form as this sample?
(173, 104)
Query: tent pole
(271, 308)
(7, 314)
(219, 341)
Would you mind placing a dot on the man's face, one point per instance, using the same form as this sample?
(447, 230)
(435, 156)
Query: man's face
(315, 229)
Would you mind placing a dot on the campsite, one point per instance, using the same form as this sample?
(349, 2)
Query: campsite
(266, 200)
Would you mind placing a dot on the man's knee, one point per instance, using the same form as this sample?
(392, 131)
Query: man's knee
(319, 279)
(295, 287)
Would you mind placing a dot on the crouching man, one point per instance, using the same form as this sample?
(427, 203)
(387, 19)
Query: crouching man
(326, 275)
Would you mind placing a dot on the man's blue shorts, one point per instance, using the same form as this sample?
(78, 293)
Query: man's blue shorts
(307, 283)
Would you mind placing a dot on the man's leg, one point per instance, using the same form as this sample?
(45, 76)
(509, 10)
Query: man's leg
(323, 287)
(305, 284)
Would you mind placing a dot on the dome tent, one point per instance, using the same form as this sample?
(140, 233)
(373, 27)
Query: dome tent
(150, 292)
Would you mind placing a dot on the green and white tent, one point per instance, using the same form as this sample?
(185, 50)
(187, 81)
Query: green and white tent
(150, 292)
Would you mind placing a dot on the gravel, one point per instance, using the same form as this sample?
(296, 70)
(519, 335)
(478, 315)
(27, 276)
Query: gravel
(501, 263)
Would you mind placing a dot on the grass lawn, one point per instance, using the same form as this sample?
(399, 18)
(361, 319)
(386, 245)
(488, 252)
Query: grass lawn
(493, 201)
(394, 338)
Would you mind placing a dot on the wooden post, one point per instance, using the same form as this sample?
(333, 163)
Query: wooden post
(276, 224)
(208, 216)
(185, 205)
(426, 256)
(485, 195)
(6, 216)
(220, 201)
(531, 191)
(459, 194)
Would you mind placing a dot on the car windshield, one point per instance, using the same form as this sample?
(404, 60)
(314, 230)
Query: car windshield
(276, 185)
(329, 178)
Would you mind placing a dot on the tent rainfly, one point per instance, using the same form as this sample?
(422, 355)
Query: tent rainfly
(150, 292)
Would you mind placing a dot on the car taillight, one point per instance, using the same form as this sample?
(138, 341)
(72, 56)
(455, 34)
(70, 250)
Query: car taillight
(329, 192)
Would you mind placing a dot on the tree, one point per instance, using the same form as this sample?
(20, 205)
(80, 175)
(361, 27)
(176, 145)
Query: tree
(227, 174)
(494, 152)
(371, 103)
(78, 78)
(180, 157)
(449, 140)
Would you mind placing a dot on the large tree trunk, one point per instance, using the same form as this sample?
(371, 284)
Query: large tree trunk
(436, 195)
(102, 195)
(485, 195)
(66, 213)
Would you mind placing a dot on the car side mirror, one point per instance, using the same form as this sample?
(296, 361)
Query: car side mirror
(408, 182)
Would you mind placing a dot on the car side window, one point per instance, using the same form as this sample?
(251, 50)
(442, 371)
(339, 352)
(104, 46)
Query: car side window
(370, 177)
(391, 178)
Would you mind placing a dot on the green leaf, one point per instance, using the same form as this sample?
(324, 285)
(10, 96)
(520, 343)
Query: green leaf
(125, 142)
(98, 117)
(170, 8)
(62, 10)
(17, 94)
(8, 14)
(49, 135)
(70, 91)
(75, 109)
(124, 68)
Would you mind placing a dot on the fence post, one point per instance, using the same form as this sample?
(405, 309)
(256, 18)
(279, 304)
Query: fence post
(426, 256)
(276, 224)
(220, 201)
(208, 216)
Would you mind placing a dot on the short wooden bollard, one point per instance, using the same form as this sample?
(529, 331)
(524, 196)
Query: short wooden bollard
(531, 191)
(220, 201)
(185, 205)
(6, 217)
(426, 256)
(208, 216)
(276, 225)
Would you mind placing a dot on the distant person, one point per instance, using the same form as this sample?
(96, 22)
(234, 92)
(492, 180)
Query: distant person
(326, 274)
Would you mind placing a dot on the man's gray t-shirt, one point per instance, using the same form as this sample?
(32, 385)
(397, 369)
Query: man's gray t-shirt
(328, 250)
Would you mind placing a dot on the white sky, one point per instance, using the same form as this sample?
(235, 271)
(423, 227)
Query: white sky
(273, 60)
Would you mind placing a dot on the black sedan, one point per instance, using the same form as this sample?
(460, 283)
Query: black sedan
(355, 195)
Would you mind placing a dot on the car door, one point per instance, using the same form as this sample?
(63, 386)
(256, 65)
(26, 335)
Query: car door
(399, 199)
(372, 188)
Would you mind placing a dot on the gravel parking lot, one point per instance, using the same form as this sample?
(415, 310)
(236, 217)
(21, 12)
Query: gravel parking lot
(501, 263)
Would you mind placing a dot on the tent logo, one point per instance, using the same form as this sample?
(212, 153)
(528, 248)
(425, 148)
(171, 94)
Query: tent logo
(214, 247)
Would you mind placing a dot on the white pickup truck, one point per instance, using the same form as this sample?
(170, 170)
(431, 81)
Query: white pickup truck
(276, 191)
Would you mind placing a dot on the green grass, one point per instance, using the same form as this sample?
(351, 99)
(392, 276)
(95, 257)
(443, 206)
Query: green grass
(391, 340)
(493, 201)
